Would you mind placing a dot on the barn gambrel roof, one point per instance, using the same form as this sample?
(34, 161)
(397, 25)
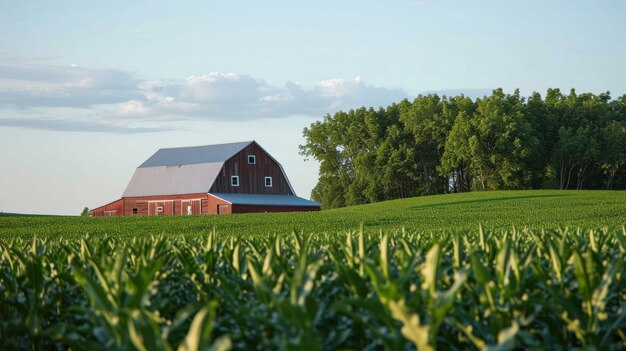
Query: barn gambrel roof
(194, 155)
(184, 170)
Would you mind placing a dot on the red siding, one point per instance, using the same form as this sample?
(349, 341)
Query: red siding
(172, 205)
(252, 176)
(115, 208)
(177, 205)
(142, 206)
(214, 203)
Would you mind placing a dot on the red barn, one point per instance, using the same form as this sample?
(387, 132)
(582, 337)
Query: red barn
(212, 179)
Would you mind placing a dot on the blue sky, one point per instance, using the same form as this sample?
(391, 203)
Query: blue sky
(90, 90)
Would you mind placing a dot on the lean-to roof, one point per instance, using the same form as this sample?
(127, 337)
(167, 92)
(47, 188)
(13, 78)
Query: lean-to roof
(265, 200)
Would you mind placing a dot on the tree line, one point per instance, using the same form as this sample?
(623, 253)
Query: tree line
(436, 145)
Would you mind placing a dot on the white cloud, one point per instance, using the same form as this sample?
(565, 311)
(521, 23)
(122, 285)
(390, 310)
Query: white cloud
(132, 107)
(237, 97)
(73, 125)
(34, 85)
(218, 88)
(116, 98)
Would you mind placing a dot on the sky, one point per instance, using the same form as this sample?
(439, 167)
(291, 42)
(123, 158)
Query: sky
(89, 90)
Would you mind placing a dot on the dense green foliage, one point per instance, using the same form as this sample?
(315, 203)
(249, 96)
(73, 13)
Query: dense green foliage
(437, 145)
(556, 290)
(421, 274)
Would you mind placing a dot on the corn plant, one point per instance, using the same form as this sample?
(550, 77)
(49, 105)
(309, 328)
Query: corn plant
(482, 289)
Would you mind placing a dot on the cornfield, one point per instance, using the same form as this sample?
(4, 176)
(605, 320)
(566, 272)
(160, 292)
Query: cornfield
(467, 290)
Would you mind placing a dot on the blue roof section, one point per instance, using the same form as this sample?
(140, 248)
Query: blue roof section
(194, 155)
(265, 200)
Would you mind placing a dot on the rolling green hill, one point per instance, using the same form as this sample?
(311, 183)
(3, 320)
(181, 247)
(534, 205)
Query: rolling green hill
(498, 209)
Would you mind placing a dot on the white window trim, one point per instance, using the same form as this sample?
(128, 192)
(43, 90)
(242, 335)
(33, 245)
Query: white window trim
(253, 160)
(265, 182)
(233, 178)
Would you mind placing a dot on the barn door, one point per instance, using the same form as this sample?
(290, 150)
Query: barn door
(158, 209)
(196, 207)
(186, 208)
(151, 208)
(168, 208)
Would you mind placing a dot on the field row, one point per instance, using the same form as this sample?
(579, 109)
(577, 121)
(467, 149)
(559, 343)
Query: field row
(487, 290)
(533, 209)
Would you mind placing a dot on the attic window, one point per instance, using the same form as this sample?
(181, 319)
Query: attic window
(268, 182)
(251, 159)
(234, 180)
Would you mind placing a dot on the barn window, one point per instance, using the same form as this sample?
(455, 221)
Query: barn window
(251, 159)
(234, 180)
(268, 182)
(159, 209)
(135, 211)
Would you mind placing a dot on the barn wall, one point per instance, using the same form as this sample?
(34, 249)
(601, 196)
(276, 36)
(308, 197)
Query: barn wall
(115, 208)
(251, 177)
(214, 203)
(174, 204)
(171, 204)
(257, 208)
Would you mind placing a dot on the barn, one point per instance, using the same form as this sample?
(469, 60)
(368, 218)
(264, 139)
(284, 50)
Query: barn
(212, 179)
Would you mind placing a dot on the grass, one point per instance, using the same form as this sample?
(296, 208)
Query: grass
(257, 282)
(495, 210)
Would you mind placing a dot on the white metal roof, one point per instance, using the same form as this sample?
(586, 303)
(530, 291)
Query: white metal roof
(184, 170)
(173, 180)
(194, 154)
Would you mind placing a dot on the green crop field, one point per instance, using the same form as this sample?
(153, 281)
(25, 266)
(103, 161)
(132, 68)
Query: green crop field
(479, 271)
(495, 210)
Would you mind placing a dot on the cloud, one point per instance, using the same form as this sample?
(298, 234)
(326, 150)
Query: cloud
(114, 101)
(36, 85)
(238, 97)
(77, 126)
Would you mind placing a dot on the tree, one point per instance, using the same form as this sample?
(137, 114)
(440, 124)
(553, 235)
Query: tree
(430, 120)
(396, 165)
(501, 142)
(564, 156)
(85, 212)
(457, 158)
(437, 144)
(613, 147)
